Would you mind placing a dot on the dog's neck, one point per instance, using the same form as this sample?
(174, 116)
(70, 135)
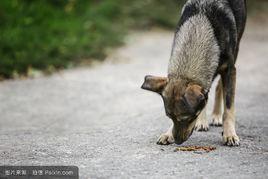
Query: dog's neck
(195, 52)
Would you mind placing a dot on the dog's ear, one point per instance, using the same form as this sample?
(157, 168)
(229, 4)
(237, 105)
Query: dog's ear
(155, 84)
(194, 97)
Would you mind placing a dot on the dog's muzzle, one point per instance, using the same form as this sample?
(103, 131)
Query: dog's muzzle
(183, 132)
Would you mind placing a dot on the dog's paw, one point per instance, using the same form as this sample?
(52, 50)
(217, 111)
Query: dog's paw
(231, 140)
(216, 120)
(165, 139)
(201, 125)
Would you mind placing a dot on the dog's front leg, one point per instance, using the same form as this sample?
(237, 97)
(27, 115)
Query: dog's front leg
(166, 138)
(229, 81)
(202, 122)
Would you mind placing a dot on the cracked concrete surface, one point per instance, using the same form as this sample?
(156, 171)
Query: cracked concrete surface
(100, 120)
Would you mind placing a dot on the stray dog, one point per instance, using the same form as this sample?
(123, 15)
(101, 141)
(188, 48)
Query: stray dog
(206, 44)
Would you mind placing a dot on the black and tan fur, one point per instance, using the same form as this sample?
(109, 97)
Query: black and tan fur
(206, 44)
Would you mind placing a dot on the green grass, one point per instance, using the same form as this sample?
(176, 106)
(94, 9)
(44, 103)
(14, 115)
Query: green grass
(258, 9)
(56, 34)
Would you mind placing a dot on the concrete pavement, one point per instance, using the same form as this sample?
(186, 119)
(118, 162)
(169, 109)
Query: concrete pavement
(100, 120)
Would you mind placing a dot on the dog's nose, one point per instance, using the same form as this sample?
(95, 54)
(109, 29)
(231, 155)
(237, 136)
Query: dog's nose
(179, 141)
(182, 135)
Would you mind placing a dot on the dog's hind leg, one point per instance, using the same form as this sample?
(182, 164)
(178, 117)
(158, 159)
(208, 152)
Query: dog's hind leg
(217, 109)
(228, 82)
(202, 122)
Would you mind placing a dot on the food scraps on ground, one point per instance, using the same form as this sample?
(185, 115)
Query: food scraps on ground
(195, 148)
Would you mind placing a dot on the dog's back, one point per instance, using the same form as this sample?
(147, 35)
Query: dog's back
(226, 19)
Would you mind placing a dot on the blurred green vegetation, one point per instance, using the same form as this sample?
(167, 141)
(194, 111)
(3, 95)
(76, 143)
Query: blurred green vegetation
(257, 8)
(55, 34)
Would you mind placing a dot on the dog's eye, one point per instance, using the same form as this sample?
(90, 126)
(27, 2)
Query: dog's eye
(185, 117)
(169, 114)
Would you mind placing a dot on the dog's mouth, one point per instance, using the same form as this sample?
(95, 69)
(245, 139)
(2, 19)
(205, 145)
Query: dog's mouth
(183, 131)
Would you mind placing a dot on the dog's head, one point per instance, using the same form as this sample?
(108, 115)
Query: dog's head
(183, 102)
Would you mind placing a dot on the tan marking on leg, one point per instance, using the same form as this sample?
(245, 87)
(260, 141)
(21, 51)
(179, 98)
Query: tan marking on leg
(217, 109)
(230, 137)
(229, 134)
(202, 122)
